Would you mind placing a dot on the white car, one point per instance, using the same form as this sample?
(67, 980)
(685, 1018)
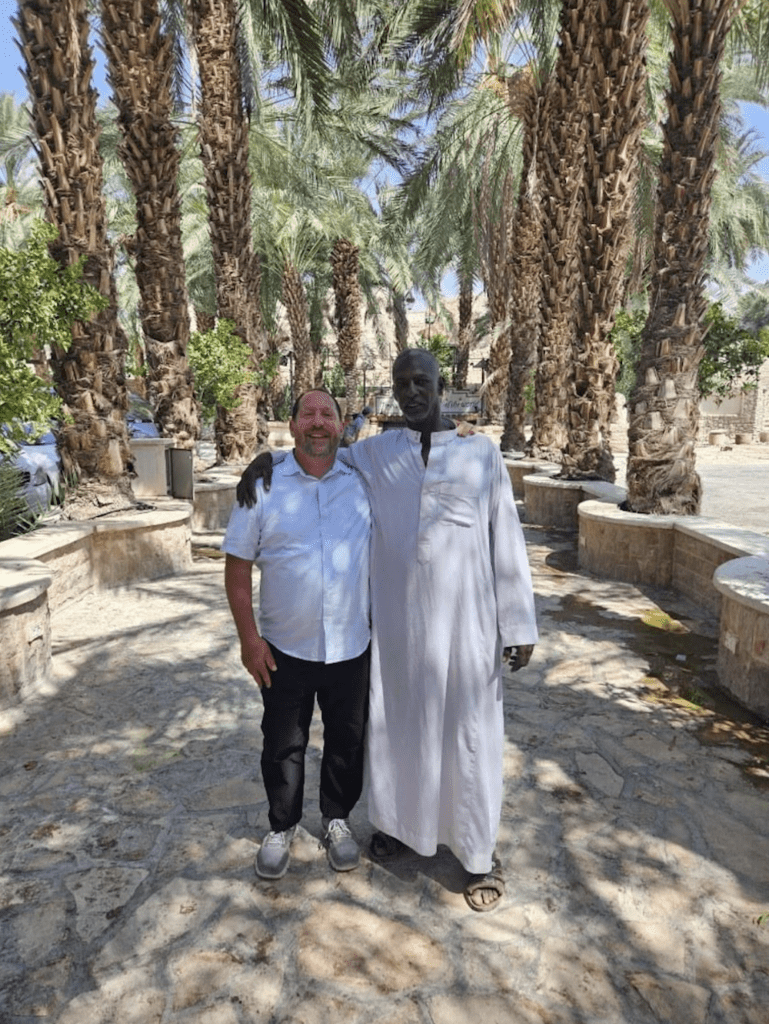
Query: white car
(40, 468)
(40, 465)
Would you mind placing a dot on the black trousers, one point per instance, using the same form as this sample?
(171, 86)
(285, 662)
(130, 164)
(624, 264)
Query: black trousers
(342, 692)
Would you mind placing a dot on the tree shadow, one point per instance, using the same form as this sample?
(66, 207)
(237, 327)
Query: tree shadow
(132, 805)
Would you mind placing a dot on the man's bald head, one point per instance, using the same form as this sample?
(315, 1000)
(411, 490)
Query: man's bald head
(417, 387)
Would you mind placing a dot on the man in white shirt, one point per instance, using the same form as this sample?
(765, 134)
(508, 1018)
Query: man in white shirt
(451, 596)
(309, 535)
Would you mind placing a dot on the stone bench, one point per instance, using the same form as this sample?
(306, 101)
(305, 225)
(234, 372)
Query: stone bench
(61, 562)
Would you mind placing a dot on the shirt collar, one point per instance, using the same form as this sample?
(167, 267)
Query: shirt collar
(292, 468)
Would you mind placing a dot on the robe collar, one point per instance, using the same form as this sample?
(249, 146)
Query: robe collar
(439, 437)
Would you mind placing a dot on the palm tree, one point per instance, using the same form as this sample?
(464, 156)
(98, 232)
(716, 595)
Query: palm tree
(464, 328)
(560, 170)
(140, 68)
(494, 217)
(614, 107)
(224, 142)
(663, 407)
(347, 313)
(89, 376)
(20, 198)
(525, 260)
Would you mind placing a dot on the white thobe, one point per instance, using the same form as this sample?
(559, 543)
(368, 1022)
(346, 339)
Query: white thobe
(451, 587)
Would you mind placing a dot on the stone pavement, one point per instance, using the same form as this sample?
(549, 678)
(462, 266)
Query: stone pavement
(634, 836)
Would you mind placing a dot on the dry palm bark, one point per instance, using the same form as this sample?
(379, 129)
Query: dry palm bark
(139, 70)
(275, 390)
(560, 169)
(90, 376)
(347, 298)
(295, 301)
(525, 264)
(616, 79)
(400, 321)
(494, 219)
(663, 407)
(224, 148)
(465, 330)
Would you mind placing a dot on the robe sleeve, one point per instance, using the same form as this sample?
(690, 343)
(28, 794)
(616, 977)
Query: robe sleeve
(516, 618)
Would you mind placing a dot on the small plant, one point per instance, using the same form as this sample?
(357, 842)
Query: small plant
(268, 370)
(220, 364)
(626, 339)
(443, 350)
(15, 515)
(333, 380)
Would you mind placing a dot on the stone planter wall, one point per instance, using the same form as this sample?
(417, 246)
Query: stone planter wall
(25, 628)
(624, 545)
(60, 563)
(721, 568)
(213, 504)
(517, 469)
(743, 644)
(551, 501)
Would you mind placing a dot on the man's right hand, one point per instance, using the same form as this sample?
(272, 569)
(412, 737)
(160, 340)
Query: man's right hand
(259, 661)
(259, 469)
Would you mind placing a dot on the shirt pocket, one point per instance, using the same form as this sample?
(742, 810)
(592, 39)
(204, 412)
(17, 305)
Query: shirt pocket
(457, 505)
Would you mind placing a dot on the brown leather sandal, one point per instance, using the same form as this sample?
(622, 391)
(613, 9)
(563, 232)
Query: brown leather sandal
(492, 883)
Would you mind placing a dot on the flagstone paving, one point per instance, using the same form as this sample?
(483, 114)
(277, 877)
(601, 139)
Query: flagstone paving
(634, 835)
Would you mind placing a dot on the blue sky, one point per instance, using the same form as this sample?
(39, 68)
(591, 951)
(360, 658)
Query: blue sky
(11, 80)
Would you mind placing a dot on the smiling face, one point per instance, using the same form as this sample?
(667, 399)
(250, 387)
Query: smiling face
(417, 389)
(317, 428)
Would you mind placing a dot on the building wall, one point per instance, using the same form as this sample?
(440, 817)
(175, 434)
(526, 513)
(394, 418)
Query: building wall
(746, 412)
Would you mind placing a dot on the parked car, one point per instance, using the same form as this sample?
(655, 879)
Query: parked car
(140, 418)
(40, 465)
(41, 475)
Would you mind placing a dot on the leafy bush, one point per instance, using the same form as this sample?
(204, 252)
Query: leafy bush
(443, 350)
(15, 516)
(333, 381)
(626, 339)
(733, 355)
(219, 361)
(39, 302)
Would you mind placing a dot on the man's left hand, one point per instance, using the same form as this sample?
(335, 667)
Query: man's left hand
(518, 657)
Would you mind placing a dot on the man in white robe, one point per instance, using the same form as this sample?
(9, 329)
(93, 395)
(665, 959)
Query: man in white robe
(451, 591)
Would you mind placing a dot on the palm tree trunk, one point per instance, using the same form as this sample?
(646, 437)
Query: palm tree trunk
(495, 215)
(663, 408)
(560, 156)
(465, 330)
(525, 264)
(616, 79)
(400, 321)
(90, 375)
(224, 149)
(295, 301)
(140, 63)
(344, 262)
(275, 390)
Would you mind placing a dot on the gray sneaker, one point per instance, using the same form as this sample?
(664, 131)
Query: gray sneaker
(273, 856)
(343, 851)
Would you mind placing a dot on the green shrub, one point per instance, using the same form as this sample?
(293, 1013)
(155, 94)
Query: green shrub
(220, 364)
(15, 516)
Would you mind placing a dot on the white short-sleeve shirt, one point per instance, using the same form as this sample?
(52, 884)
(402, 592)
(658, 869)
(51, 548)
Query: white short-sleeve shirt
(310, 538)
